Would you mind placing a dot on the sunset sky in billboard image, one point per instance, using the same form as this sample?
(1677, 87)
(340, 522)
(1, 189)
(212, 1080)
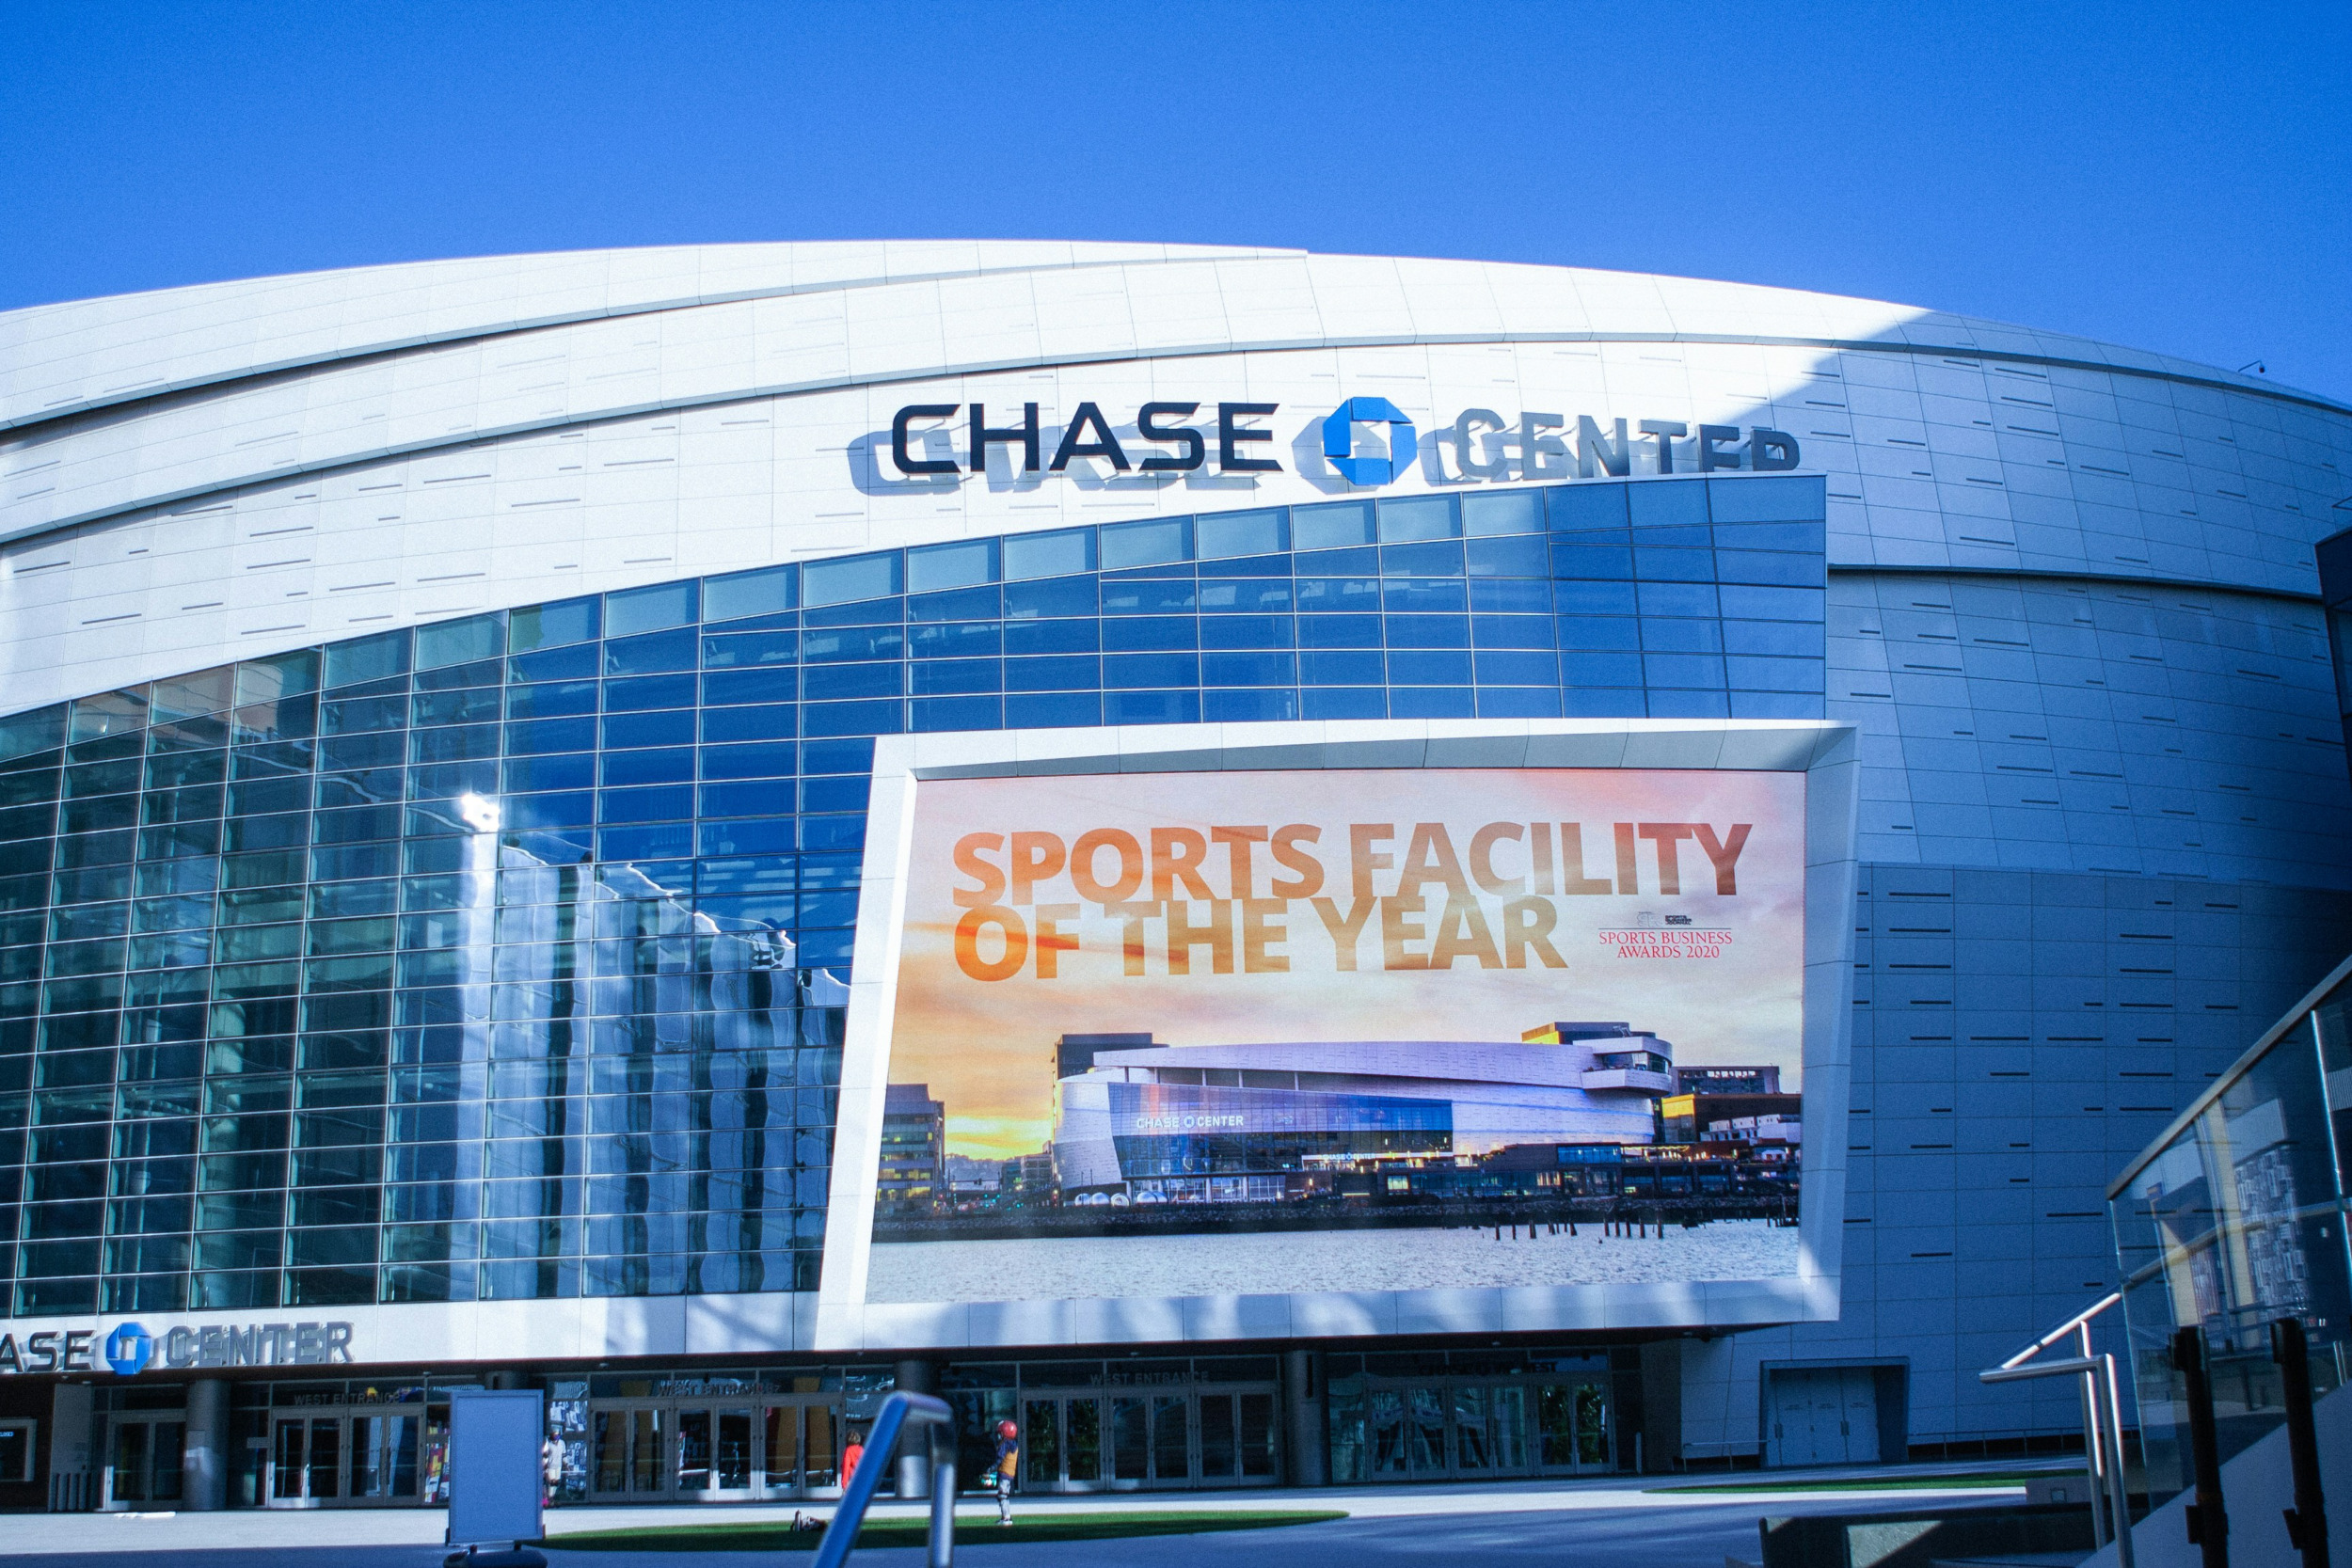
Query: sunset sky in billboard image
(1008, 945)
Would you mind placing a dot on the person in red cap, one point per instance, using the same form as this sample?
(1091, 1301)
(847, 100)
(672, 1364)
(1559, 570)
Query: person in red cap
(1007, 1465)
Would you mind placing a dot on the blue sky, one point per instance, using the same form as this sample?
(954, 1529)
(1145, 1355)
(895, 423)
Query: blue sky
(2167, 176)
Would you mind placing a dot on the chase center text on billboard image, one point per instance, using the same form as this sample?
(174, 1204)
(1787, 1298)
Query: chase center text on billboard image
(1171, 1036)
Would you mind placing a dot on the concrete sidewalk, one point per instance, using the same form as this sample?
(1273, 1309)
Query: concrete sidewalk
(1634, 1517)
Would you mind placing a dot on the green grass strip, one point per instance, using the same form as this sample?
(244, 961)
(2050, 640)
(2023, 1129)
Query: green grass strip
(1891, 1483)
(972, 1529)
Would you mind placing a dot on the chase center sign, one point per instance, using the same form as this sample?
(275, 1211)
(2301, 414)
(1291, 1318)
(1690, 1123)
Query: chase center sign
(1365, 440)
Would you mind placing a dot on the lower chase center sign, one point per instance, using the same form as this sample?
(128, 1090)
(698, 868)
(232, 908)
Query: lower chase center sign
(129, 1349)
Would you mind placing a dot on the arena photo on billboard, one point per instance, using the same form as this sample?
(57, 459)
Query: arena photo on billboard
(1343, 1030)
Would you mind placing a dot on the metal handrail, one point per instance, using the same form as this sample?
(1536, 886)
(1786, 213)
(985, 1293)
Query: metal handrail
(2103, 1419)
(899, 1411)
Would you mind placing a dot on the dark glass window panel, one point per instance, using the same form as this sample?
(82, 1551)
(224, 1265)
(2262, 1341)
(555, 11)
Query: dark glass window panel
(666, 765)
(85, 958)
(354, 825)
(1050, 596)
(1249, 669)
(112, 747)
(844, 793)
(1151, 707)
(1601, 669)
(115, 777)
(852, 644)
(738, 800)
(551, 699)
(1148, 596)
(551, 734)
(566, 771)
(961, 604)
(1756, 566)
(1053, 710)
(1351, 667)
(1773, 637)
(1688, 704)
(652, 654)
(649, 692)
(1437, 559)
(1574, 561)
(1666, 599)
(87, 993)
(26, 786)
(1338, 632)
(1586, 506)
(1674, 565)
(581, 662)
(1511, 631)
(135, 1177)
(474, 706)
(752, 650)
(746, 837)
(89, 920)
(350, 861)
(263, 797)
(660, 803)
(768, 721)
(839, 682)
(1664, 636)
(1141, 670)
(845, 755)
(853, 719)
(1428, 667)
(1052, 636)
(353, 715)
(1682, 670)
(1431, 701)
(1774, 604)
(551, 809)
(1517, 667)
(1176, 633)
(187, 770)
(1774, 705)
(1428, 631)
(1067, 672)
(1659, 505)
(1247, 595)
(669, 727)
(1262, 706)
(756, 760)
(41, 1260)
(457, 744)
(1806, 537)
(946, 677)
(364, 786)
(1247, 631)
(103, 814)
(342, 753)
(961, 640)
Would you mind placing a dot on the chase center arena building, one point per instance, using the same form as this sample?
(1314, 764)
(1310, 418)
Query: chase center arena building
(435, 748)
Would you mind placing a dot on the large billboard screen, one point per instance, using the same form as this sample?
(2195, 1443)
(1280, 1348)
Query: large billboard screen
(1229, 1033)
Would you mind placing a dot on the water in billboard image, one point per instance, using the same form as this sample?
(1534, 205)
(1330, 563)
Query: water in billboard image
(1184, 1034)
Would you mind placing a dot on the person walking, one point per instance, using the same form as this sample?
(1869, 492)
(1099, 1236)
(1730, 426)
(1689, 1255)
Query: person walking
(1008, 1465)
(850, 1454)
(552, 1468)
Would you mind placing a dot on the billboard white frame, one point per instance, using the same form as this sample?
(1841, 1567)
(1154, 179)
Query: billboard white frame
(1826, 753)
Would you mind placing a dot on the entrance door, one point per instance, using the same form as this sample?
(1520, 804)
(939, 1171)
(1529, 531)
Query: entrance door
(714, 1452)
(143, 1462)
(307, 1461)
(1572, 1427)
(1822, 1415)
(800, 1451)
(629, 1453)
(1236, 1438)
(385, 1454)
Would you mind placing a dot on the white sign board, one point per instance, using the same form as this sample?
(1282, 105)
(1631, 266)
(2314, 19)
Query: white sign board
(494, 1473)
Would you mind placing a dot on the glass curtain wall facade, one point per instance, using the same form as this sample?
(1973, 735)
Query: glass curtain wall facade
(2236, 1219)
(505, 957)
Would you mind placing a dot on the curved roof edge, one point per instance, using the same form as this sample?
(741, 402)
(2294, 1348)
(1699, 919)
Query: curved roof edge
(71, 357)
